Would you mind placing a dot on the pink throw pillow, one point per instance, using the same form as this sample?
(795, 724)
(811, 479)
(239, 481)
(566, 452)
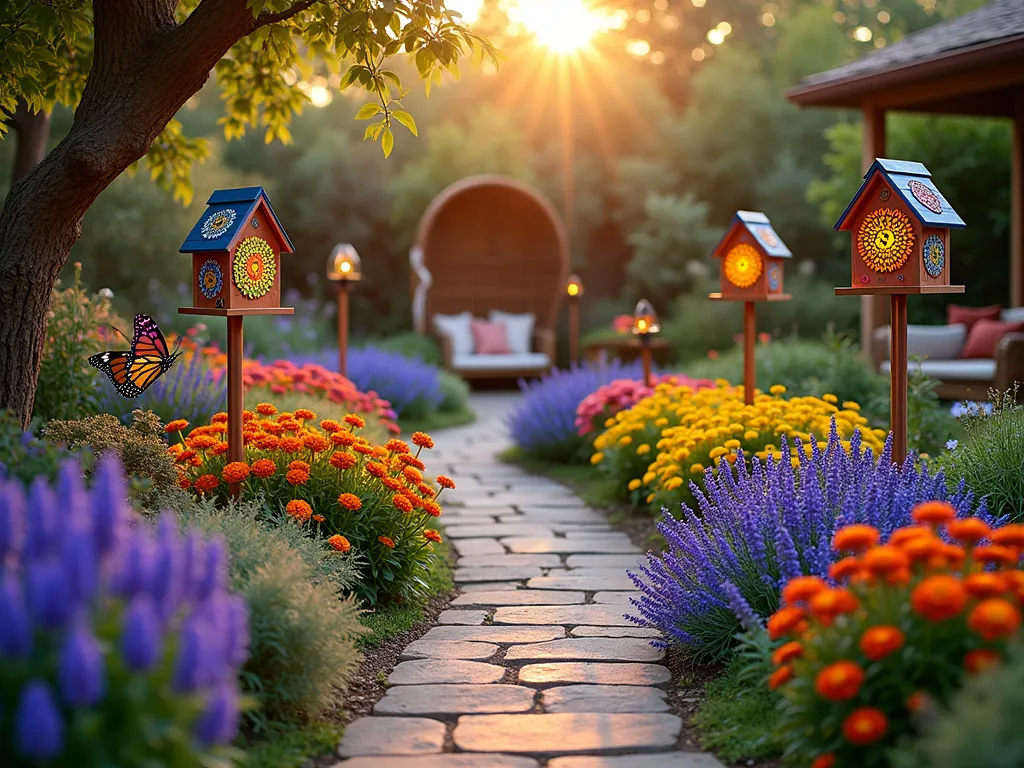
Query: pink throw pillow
(983, 340)
(490, 338)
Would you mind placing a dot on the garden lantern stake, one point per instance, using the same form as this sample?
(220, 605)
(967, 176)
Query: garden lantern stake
(236, 249)
(645, 325)
(752, 256)
(574, 289)
(343, 270)
(899, 224)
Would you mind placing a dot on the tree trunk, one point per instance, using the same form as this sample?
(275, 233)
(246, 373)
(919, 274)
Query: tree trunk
(33, 130)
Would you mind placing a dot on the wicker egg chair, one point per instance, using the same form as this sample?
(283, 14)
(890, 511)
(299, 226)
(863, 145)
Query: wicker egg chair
(491, 243)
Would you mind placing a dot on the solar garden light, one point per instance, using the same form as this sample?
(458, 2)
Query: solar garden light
(645, 324)
(343, 270)
(574, 289)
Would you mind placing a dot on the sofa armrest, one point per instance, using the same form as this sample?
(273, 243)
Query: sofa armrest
(1009, 361)
(444, 341)
(879, 347)
(544, 342)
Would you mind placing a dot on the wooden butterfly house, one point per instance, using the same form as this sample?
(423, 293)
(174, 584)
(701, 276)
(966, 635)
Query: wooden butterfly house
(752, 257)
(236, 249)
(899, 223)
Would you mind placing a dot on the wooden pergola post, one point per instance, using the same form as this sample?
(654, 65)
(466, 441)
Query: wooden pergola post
(873, 309)
(1017, 203)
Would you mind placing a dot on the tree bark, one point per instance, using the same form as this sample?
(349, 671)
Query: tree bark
(33, 132)
(145, 67)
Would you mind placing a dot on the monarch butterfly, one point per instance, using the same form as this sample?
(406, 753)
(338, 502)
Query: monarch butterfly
(132, 372)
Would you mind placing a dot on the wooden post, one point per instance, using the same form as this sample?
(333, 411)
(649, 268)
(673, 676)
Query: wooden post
(645, 357)
(898, 375)
(236, 449)
(872, 308)
(574, 330)
(343, 327)
(1017, 204)
(749, 337)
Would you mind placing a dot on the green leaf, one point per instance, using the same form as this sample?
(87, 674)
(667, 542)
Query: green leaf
(368, 111)
(405, 119)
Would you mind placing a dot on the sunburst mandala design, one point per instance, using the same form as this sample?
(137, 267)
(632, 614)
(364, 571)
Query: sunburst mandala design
(885, 240)
(253, 267)
(934, 255)
(925, 196)
(211, 279)
(742, 265)
(217, 224)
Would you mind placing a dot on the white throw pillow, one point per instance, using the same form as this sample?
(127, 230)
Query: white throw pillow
(458, 328)
(520, 330)
(1013, 315)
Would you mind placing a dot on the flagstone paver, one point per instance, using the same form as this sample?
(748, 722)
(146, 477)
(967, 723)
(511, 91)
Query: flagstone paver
(535, 661)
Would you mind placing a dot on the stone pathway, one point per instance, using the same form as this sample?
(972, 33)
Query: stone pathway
(534, 663)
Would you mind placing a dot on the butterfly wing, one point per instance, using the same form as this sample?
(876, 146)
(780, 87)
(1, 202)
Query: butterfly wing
(145, 370)
(117, 366)
(148, 341)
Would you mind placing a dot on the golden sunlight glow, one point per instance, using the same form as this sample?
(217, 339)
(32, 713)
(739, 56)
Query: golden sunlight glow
(862, 34)
(470, 9)
(320, 96)
(563, 26)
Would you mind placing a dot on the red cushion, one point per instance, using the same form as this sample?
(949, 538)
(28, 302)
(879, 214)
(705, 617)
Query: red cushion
(490, 338)
(984, 338)
(970, 315)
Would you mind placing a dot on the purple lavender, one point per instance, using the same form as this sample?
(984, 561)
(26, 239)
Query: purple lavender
(543, 424)
(758, 525)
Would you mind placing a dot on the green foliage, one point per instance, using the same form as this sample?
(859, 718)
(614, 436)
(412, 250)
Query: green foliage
(929, 423)
(455, 391)
(979, 729)
(25, 457)
(990, 457)
(140, 446)
(292, 746)
(302, 632)
(412, 345)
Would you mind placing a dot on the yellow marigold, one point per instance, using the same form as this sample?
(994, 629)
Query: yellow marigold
(732, 445)
(339, 543)
(422, 439)
(394, 445)
(697, 469)
(401, 502)
(830, 398)
(597, 458)
(304, 414)
(444, 481)
(315, 442)
(777, 389)
(850, 405)
(299, 509)
(235, 472)
(354, 421)
(634, 484)
(643, 450)
(263, 468)
(718, 451)
(350, 501)
(673, 483)
(431, 535)
(266, 409)
(751, 435)
(176, 426)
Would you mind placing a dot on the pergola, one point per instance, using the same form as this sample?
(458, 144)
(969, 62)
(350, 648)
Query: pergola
(970, 65)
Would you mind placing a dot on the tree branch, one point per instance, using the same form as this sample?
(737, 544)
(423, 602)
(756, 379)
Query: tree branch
(265, 19)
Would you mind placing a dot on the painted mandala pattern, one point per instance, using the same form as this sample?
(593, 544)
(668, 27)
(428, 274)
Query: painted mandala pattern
(774, 276)
(925, 196)
(885, 240)
(767, 236)
(253, 267)
(218, 223)
(934, 255)
(742, 265)
(211, 279)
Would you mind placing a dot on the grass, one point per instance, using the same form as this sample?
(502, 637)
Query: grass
(737, 719)
(291, 746)
(588, 482)
(438, 420)
(391, 620)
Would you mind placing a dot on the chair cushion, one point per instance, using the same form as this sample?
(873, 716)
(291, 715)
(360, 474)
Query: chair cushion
(970, 315)
(985, 335)
(513, 362)
(1012, 315)
(955, 370)
(520, 330)
(933, 342)
(489, 338)
(458, 328)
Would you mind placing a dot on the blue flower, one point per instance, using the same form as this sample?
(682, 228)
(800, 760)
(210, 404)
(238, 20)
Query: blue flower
(951, 445)
(219, 721)
(38, 725)
(140, 640)
(81, 668)
(15, 632)
(49, 598)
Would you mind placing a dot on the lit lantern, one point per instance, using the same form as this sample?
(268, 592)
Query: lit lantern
(645, 325)
(343, 269)
(574, 289)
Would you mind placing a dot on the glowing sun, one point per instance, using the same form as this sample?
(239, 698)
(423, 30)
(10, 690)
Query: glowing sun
(561, 26)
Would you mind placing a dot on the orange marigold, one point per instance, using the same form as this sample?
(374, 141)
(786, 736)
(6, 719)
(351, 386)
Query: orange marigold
(1014, 583)
(933, 512)
(394, 445)
(445, 481)
(969, 530)
(412, 461)
(354, 421)
(1009, 536)
(235, 472)
(916, 701)
(839, 681)
(343, 460)
(343, 439)
(878, 642)
(274, 428)
(390, 544)
(939, 597)
(391, 483)
(330, 425)
(828, 760)
(422, 439)
(844, 569)
(401, 503)
(902, 535)
(363, 448)
(248, 416)
(219, 418)
(781, 675)
(266, 409)
(305, 414)
(802, 588)
(995, 554)
(412, 474)
(267, 443)
(291, 425)
(350, 501)
(994, 618)
(299, 509)
(885, 559)
(176, 425)
(339, 543)
(432, 507)
(297, 476)
(201, 442)
(787, 652)
(290, 444)
(299, 464)
(865, 725)
(219, 449)
(206, 483)
(922, 547)
(784, 621)
(978, 661)
(829, 603)
(315, 442)
(318, 518)
(376, 469)
(183, 483)
(855, 538)
(185, 456)
(431, 535)
(985, 584)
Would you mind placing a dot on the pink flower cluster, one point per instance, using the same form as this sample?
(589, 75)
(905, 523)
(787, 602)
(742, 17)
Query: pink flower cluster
(622, 394)
(622, 324)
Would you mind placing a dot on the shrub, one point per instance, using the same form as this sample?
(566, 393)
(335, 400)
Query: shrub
(302, 647)
(543, 423)
(119, 644)
(190, 390)
(140, 448)
(676, 434)
(454, 392)
(597, 407)
(908, 620)
(990, 457)
(370, 499)
(23, 456)
(980, 727)
(754, 527)
(413, 346)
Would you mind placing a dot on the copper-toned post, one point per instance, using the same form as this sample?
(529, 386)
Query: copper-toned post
(236, 449)
(645, 356)
(343, 327)
(898, 375)
(749, 336)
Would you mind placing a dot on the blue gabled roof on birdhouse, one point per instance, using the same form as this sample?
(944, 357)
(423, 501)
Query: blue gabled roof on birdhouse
(913, 183)
(226, 213)
(760, 228)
